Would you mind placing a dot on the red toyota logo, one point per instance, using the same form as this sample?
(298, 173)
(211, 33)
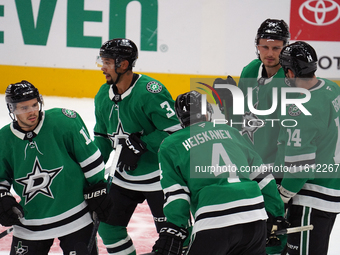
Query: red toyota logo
(315, 20)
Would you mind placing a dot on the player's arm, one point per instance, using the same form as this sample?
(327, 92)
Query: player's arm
(176, 208)
(91, 162)
(176, 192)
(84, 150)
(10, 209)
(160, 110)
(101, 138)
(300, 153)
(261, 174)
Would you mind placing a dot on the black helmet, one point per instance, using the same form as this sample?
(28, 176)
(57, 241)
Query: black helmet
(120, 49)
(300, 57)
(188, 108)
(273, 29)
(20, 92)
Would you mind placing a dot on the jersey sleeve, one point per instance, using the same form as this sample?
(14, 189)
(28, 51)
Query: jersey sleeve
(266, 181)
(300, 153)
(159, 108)
(176, 192)
(100, 134)
(84, 150)
(6, 174)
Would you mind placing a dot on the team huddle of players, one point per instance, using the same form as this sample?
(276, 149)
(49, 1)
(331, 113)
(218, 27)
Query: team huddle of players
(58, 171)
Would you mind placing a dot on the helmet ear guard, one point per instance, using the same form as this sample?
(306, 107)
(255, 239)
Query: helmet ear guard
(188, 108)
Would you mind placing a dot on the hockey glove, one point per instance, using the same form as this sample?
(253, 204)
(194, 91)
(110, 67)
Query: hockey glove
(133, 149)
(225, 94)
(170, 241)
(274, 224)
(98, 200)
(10, 210)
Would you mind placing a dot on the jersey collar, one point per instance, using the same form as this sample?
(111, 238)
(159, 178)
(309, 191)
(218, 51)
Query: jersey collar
(260, 76)
(318, 85)
(118, 97)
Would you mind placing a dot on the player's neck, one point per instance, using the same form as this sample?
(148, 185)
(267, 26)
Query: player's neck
(306, 83)
(271, 71)
(124, 82)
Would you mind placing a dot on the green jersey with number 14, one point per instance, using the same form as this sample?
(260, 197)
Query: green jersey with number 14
(312, 150)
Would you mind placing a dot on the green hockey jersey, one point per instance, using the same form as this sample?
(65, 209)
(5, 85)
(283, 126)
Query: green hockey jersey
(49, 167)
(147, 108)
(261, 131)
(209, 170)
(312, 150)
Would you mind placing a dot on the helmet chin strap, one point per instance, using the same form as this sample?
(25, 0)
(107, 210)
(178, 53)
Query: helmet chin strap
(119, 74)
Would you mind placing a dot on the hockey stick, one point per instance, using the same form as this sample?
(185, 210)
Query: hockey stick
(113, 166)
(81, 247)
(293, 230)
(6, 232)
(96, 221)
(94, 232)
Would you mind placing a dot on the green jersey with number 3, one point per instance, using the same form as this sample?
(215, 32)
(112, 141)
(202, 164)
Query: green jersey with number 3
(312, 150)
(147, 108)
(208, 169)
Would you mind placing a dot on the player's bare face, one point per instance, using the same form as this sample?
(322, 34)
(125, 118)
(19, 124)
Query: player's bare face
(108, 69)
(27, 114)
(269, 51)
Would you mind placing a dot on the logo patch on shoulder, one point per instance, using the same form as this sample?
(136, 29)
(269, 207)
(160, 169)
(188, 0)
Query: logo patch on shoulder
(154, 87)
(294, 110)
(69, 113)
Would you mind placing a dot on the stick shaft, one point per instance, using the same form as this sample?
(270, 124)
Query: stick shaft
(294, 230)
(6, 232)
(114, 163)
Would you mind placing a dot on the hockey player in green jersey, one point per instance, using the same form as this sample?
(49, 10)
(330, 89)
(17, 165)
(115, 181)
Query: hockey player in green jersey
(311, 182)
(262, 75)
(48, 159)
(135, 111)
(257, 80)
(208, 170)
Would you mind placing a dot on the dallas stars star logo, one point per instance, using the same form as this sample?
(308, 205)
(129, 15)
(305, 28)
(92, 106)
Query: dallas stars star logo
(251, 123)
(119, 134)
(21, 249)
(38, 181)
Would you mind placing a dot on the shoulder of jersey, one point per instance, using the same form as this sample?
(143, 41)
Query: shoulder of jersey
(252, 68)
(62, 113)
(103, 90)
(150, 85)
(5, 129)
(176, 138)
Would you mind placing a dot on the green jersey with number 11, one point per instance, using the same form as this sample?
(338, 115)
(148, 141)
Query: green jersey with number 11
(49, 168)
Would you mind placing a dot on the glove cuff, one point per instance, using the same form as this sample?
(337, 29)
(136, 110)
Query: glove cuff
(285, 194)
(174, 231)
